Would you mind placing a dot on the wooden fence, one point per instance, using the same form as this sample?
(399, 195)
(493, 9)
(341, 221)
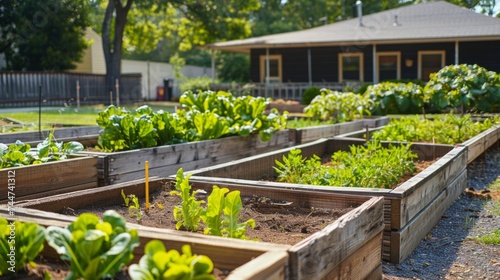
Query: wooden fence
(285, 91)
(20, 89)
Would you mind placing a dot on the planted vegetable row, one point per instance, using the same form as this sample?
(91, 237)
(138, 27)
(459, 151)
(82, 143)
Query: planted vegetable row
(206, 115)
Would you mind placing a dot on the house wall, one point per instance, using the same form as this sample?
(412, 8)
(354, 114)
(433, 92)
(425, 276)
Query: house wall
(488, 56)
(325, 59)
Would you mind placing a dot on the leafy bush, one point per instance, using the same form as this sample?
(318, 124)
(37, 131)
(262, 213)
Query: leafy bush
(466, 87)
(442, 129)
(196, 84)
(158, 264)
(309, 95)
(370, 166)
(338, 106)
(396, 98)
(27, 239)
(20, 154)
(95, 249)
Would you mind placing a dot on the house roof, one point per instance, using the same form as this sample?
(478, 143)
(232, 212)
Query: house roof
(423, 22)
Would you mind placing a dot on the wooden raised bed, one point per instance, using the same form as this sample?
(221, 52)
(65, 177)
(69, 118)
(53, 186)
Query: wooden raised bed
(410, 210)
(259, 261)
(118, 167)
(308, 134)
(40, 180)
(476, 145)
(348, 248)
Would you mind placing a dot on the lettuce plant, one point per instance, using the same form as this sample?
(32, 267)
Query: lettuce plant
(95, 249)
(158, 264)
(25, 238)
(188, 213)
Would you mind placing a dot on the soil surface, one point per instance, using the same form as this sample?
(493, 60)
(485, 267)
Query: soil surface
(450, 251)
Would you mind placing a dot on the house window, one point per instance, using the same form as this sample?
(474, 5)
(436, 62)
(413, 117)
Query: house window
(388, 66)
(275, 72)
(350, 67)
(429, 62)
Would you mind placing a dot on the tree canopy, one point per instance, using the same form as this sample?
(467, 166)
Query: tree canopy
(43, 35)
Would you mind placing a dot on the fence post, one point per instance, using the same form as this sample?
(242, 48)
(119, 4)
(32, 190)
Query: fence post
(117, 93)
(78, 94)
(110, 97)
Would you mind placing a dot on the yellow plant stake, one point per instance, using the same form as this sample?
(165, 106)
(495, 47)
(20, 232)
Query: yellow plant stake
(146, 170)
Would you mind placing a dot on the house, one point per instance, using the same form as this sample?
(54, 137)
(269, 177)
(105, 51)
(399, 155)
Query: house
(408, 42)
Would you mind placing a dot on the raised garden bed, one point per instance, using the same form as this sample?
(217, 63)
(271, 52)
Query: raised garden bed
(87, 135)
(347, 248)
(233, 258)
(476, 145)
(33, 181)
(308, 134)
(118, 167)
(410, 210)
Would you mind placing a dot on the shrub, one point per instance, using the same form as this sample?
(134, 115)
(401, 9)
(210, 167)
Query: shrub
(468, 87)
(309, 95)
(396, 98)
(338, 106)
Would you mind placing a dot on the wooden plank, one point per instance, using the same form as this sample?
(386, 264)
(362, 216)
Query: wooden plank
(477, 145)
(404, 241)
(51, 176)
(102, 196)
(362, 264)
(59, 133)
(269, 266)
(308, 134)
(424, 187)
(315, 257)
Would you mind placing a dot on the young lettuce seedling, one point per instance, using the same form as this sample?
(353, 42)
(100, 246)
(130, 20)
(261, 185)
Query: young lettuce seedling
(158, 263)
(20, 244)
(95, 249)
(188, 213)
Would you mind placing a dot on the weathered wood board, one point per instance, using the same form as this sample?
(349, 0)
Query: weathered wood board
(164, 161)
(39, 180)
(60, 134)
(401, 206)
(260, 261)
(331, 250)
(308, 134)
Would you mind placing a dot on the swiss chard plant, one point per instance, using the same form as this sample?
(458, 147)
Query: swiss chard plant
(160, 264)
(188, 213)
(370, 166)
(396, 98)
(20, 244)
(94, 248)
(222, 215)
(20, 154)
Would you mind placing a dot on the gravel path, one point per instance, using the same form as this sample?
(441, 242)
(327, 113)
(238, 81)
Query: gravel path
(449, 251)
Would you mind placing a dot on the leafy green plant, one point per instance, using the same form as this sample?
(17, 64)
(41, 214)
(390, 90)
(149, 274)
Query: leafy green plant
(443, 129)
(492, 238)
(21, 240)
(339, 106)
(188, 214)
(21, 154)
(396, 98)
(370, 166)
(126, 199)
(160, 264)
(95, 249)
(134, 209)
(464, 87)
(223, 213)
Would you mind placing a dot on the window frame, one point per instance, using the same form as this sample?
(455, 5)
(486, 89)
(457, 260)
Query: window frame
(361, 65)
(398, 63)
(430, 52)
(262, 62)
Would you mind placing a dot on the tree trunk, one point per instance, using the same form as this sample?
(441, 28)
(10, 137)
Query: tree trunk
(113, 52)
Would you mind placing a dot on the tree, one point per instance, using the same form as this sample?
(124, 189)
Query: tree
(197, 22)
(43, 35)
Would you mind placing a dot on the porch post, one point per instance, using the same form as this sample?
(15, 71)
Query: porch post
(456, 53)
(267, 67)
(375, 78)
(309, 66)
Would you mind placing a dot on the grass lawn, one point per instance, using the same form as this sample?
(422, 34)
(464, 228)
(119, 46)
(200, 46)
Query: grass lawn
(70, 115)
